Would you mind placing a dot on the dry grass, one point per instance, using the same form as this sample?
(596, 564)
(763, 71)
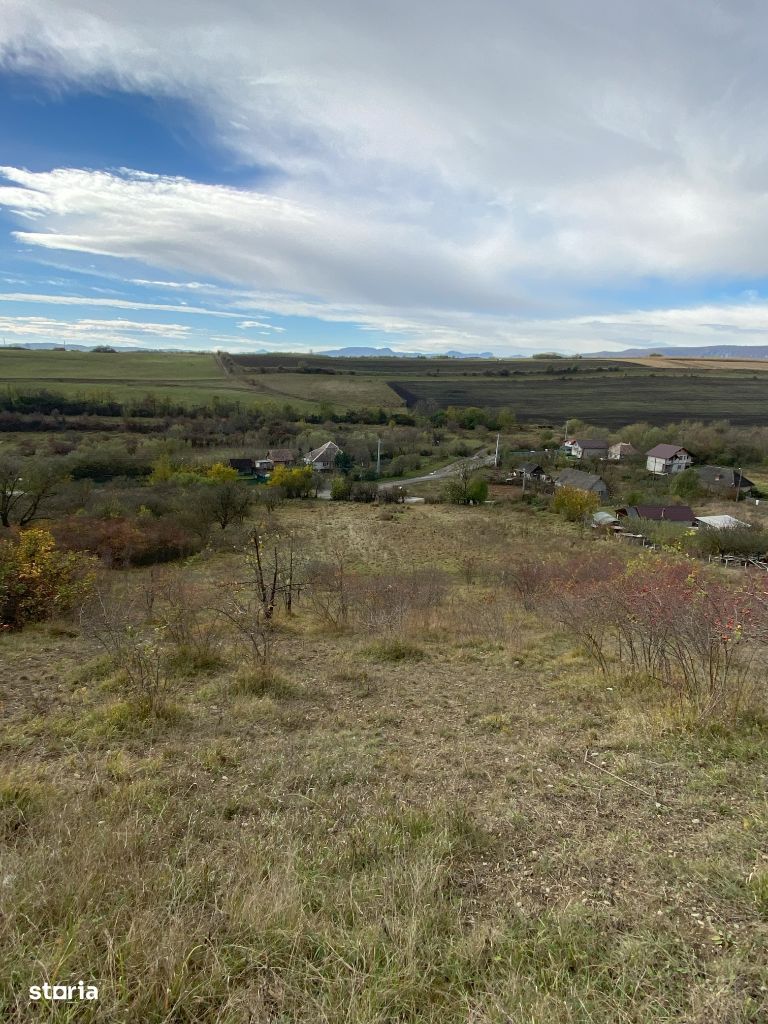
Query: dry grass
(479, 831)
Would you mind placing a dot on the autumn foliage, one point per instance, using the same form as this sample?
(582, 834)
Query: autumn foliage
(38, 580)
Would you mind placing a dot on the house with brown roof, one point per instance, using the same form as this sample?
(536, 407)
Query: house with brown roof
(281, 457)
(664, 459)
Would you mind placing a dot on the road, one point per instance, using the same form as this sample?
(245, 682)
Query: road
(474, 462)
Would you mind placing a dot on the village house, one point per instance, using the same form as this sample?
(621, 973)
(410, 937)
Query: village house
(281, 457)
(324, 457)
(244, 467)
(528, 471)
(586, 448)
(582, 481)
(667, 458)
(621, 450)
(724, 479)
(263, 466)
(658, 513)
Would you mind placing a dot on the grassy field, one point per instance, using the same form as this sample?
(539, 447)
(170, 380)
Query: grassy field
(455, 822)
(604, 392)
(189, 378)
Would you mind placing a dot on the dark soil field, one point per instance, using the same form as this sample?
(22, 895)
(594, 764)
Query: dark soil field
(609, 400)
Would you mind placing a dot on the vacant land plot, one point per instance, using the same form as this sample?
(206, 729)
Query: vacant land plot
(455, 820)
(610, 400)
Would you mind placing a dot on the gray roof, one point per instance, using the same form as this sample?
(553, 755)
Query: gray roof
(604, 519)
(327, 451)
(590, 442)
(581, 480)
(723, 476)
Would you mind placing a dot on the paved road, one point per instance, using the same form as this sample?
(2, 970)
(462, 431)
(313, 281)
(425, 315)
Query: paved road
(475, 462)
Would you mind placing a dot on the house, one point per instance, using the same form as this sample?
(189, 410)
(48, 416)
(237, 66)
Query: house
(586, 448)
(281, 457)
(243, 466)
(529, 471)
(658, 513)
(720, 522)
(263, 466)
(324, 457)
(621, 450)
(668, 458)
(724, 478)
(581, 481)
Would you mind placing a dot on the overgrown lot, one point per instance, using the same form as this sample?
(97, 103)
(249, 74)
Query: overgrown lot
(429, 807)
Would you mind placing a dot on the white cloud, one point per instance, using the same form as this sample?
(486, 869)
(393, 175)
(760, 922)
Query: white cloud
(435, 171)
(115, 303)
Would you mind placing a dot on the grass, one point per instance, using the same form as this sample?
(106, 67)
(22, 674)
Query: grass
(606, 392)
(421, 840)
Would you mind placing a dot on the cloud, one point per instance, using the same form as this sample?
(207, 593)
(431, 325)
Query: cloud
(424, 170)
(93, 332)
(115, 303)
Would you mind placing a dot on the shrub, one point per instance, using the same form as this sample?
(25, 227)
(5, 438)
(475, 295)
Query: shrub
(123, 541)
(37, 580)
(294, 483)
(394, 650)
(574, 504)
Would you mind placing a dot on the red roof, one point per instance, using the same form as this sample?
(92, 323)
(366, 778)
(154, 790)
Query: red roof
(666, 513)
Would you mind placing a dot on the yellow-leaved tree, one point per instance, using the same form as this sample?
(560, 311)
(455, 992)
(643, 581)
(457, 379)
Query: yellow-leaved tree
(39, 580)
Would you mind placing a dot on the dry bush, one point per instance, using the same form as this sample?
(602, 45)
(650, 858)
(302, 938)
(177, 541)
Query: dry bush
(190, 623)
(121, 542)
(393, 602)
(703, 640)
(137, 650)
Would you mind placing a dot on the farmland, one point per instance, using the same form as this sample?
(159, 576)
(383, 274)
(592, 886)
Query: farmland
(605, 392)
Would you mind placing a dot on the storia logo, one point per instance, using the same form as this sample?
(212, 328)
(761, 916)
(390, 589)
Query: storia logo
(63, 993)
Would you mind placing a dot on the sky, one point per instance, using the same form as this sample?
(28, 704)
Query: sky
(502, 175)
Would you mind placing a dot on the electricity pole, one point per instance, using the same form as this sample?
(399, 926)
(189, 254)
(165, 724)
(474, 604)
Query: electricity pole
(378, 456)
(496, 456)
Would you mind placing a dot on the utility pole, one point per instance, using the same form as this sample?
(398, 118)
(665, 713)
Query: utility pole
(738, 486)
(496, 456)
(378, 456)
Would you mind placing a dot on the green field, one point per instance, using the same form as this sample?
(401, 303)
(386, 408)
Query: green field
(602, 391)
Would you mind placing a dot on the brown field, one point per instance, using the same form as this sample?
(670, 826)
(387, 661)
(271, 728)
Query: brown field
(456, 820)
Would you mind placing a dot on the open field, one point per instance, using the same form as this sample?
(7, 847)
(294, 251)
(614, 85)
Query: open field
(605, 392)
(458, 821)
(609, 401)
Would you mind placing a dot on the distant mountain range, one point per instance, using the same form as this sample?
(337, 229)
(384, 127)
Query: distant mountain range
(351, 351)
(700, 352)
(362, 350)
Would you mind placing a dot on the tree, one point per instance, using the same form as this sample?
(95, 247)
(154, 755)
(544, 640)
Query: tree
(225, 503)
(294, 483)
(26, 488)
(574, 503)
(466, 488)
(687, 485)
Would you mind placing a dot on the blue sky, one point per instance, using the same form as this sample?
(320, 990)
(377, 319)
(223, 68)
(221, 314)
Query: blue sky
(498, 176)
